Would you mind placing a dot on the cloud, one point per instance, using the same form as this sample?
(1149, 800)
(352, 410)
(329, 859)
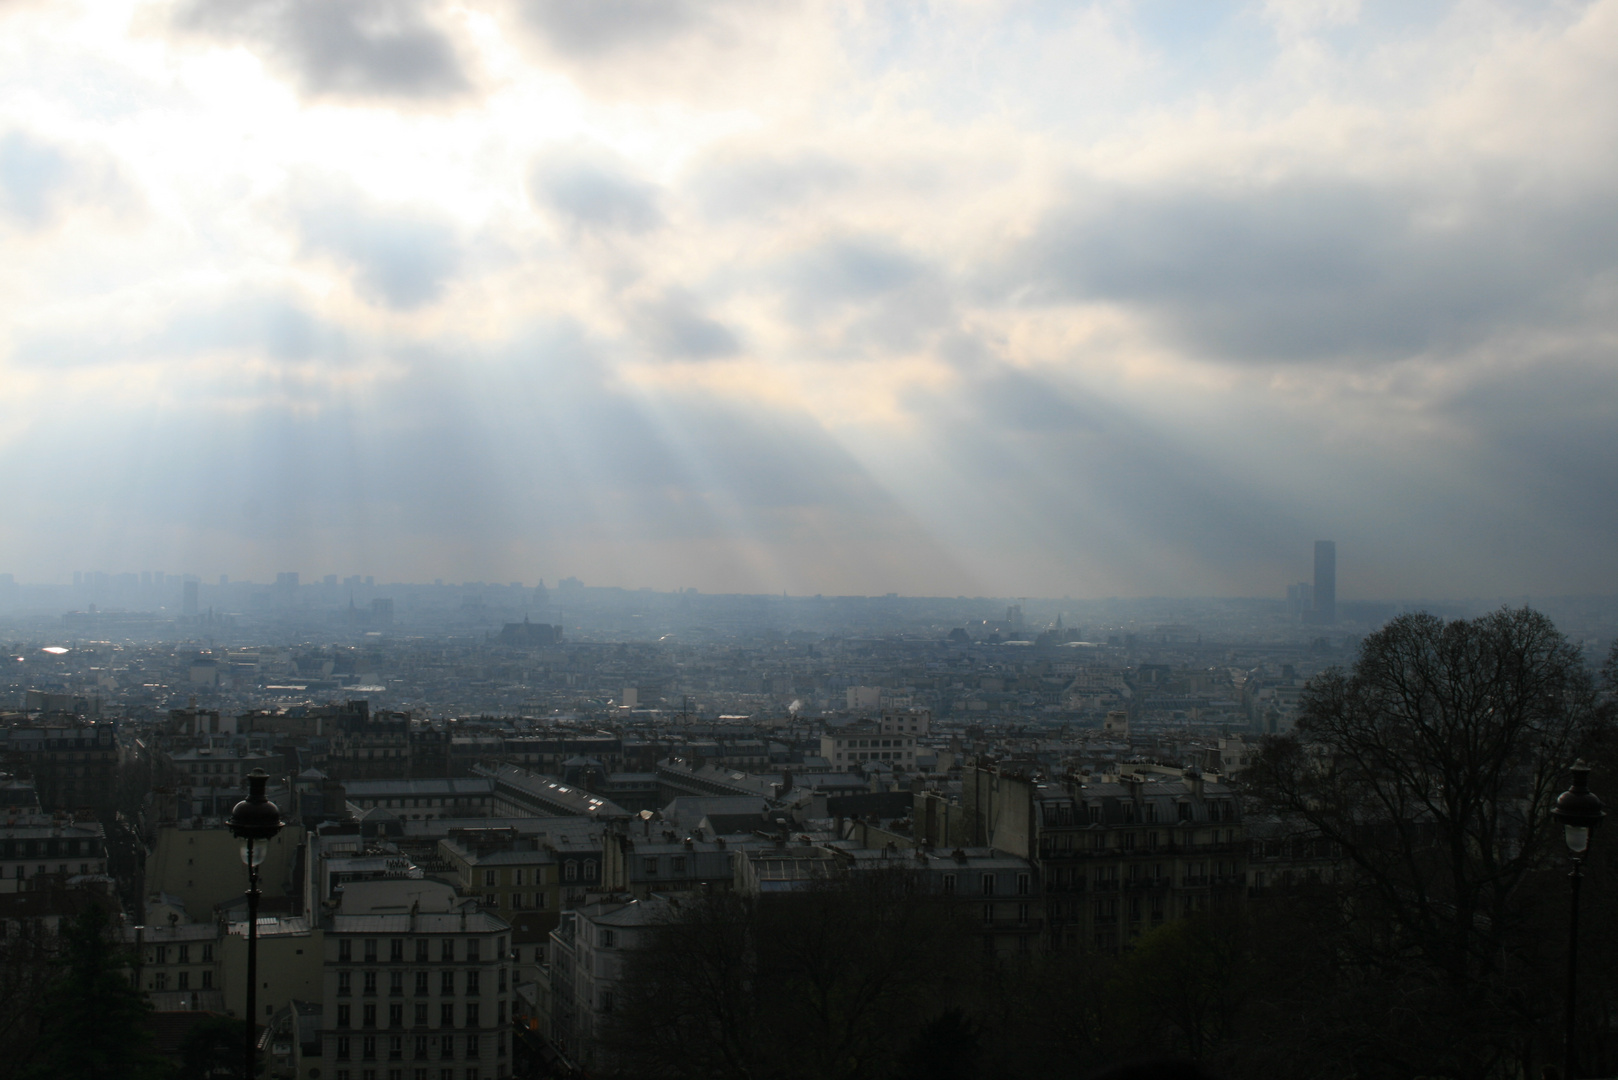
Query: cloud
(401, 258)
(1310, 269)
(849, 270)
(593, 28)
(589, 191)
(757, 186)
(674, 328)
(33, 175)
(343, 49)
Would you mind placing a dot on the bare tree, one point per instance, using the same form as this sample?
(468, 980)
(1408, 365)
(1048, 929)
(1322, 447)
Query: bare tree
(1433, 765)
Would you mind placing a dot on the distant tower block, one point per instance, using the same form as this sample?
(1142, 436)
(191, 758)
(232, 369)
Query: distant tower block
(1325, 581)
(1116, 725)
(188, 601)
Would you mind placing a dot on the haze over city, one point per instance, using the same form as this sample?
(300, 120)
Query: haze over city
(993, 299)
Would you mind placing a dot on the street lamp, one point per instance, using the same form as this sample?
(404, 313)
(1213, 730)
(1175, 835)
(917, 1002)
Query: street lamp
(254, 822)
(1578, 811)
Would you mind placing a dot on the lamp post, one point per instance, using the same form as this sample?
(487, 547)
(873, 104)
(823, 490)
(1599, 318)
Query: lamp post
(254, 822)
(1578, 811)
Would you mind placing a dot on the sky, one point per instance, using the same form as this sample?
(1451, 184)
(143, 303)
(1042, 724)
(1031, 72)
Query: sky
(981, 297)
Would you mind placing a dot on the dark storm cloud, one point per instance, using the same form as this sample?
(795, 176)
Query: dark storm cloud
(1543, 435)
(341, 48)
(1311, 270)
(402, 259)
(594, 28)
(594, 194)
(675, 328)
(32, 176)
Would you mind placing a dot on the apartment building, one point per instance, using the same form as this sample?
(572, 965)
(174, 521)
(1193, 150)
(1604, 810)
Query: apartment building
(418, 996)
(848, 748)
(1117, 855)
(36, 846)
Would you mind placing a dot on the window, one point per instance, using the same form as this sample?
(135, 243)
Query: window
(605, 1004)
(395, 1047)
(446, 951)
(605, 938)
(446, 983)
(472, 1052)
(421, 950)
(471, 1017)
(370, 984)
(185, 954)
(185, 981)
(396, 950)
(1022, 884)
(488, 877)
(988, 884)
(472, 984)
(421, 984)
(421, 1014)
(518, 877)
(502, 987)
(342, 1048)
(395, 1016)
(345, 951)
(570, 870)
(345, 983)
(446, 1014)
(160, 954)
(650, 866)
(472, 950)
(395, 984)
(368, 1048)
(370, 950)
(446, 1047)
(370, 1016)
(949, 884)
(207, 954)
(421, 1048)
(160, 981)
(343, 1016)
(207, 980)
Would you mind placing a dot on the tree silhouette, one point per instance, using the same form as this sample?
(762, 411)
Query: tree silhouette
(1432, 766)
(93, 1020)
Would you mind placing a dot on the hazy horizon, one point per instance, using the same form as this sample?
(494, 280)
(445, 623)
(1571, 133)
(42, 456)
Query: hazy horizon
(1129, 298)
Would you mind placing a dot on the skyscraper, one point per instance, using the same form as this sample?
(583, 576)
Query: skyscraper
(1325, 581)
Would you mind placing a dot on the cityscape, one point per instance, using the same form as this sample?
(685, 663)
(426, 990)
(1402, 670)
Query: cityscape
(836, 540)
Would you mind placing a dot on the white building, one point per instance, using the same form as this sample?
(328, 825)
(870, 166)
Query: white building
(847, 747)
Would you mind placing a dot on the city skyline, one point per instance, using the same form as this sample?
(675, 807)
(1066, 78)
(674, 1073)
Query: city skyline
(989, 299)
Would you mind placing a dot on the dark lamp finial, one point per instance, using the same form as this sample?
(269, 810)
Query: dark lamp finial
(1579, 807)
(255, 817)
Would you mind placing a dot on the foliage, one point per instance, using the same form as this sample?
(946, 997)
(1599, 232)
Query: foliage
(93, 1020)
(212, 1050)
(819, 983)
(1432, 766)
